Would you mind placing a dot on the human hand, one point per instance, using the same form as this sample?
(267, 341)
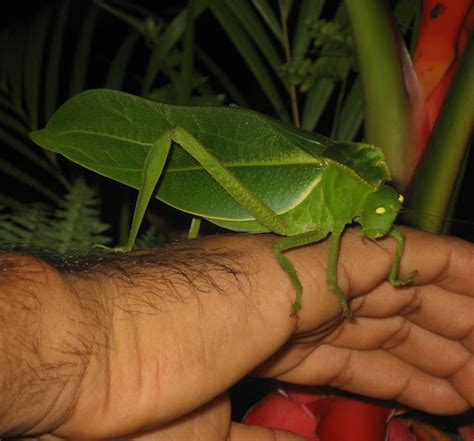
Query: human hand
(169, 360)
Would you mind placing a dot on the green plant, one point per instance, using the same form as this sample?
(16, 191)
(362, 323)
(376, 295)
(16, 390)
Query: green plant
(73, 226)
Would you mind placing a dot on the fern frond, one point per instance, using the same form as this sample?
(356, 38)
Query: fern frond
(77, 224)
(25, 224)
(151, 237)
(73, 226)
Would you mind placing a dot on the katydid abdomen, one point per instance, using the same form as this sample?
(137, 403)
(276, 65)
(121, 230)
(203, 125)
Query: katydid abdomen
(336, 196)
(235, 167)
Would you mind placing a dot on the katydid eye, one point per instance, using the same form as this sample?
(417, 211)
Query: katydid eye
(380, 210)
(401, 198)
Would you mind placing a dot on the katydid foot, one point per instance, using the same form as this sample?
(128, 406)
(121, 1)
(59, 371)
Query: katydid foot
(399, 247)
(395, 281)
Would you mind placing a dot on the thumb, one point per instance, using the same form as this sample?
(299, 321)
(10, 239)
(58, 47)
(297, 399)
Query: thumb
(243, 432)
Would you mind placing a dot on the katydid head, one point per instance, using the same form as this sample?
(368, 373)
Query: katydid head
(379, 211)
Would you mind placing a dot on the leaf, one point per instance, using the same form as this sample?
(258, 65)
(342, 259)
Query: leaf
(12, 123)
(14, 56)
(352, 113)
(250, 54)
(26, 151)
(268, 15)
(51, 84)
(81, 56)
(167, 40)
(34, 183)
(33, 62)
(309, 10)
(118, 67)
(255, 28)
(224, 79)
(316, 101)
(187, 61)
(288, 5)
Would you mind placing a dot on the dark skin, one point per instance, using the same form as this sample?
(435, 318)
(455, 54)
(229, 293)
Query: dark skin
(148, 352)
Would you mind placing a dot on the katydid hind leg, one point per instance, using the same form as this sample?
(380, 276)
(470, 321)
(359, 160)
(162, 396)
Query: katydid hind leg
(194, 228)
(243, 195)
(153, 168)
(399, 247)
(331, 271)
(286, 243)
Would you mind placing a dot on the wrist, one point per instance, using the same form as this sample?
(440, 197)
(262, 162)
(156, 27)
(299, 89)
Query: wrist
(189, 320)
(46, 341)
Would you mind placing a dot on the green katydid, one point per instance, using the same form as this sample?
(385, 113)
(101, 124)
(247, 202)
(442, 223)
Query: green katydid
(234, 167)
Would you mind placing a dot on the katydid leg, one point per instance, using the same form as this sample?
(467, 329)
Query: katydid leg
(286, 243)
(194, 228)
(399, 247)
(331, 271)
(152, 170)
(247, 199)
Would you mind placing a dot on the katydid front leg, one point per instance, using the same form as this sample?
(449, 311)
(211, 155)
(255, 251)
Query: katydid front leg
(286, 243)
(331, 271)
(152, 170)
(397, 256)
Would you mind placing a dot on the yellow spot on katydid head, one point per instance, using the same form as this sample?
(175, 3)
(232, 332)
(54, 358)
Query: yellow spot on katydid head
(380, 210)
(401, 198)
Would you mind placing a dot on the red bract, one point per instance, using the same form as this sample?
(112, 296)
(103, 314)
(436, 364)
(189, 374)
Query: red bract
(467, 432)
(328, 417)
(444, 30)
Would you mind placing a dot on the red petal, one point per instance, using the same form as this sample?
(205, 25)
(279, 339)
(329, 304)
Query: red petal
(398, 430)
(467, 432)
(346, 419)
(280, 412)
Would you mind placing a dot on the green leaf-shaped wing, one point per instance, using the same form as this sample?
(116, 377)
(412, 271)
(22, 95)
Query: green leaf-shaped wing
(111, 132)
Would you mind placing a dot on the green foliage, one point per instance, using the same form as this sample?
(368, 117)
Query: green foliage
(74, 225)
(330, 56)
(51, 56)
(152, 236)
(26, 224)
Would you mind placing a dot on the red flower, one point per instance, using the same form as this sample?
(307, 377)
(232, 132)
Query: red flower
(328, 417)
(467, 432)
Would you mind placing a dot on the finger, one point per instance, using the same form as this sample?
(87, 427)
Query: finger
(445, 261)
(408, 342)
(242, 432)
(440, 311)
(378, 374)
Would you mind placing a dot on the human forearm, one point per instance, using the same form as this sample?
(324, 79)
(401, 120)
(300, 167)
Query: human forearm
(46, 341)
(181, 314)
(149, 328)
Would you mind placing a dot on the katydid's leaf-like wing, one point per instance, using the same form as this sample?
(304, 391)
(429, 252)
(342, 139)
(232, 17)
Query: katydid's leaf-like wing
(365, 159)
(111, 132)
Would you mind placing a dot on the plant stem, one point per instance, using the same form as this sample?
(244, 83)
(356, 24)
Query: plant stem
(387, 107)
(286, 46)
(436, 176)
